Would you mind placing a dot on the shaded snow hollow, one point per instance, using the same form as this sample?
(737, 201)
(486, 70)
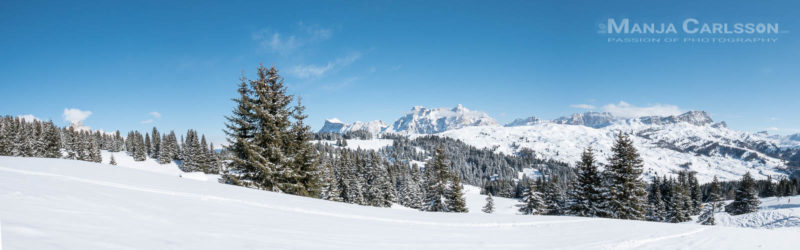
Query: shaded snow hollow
(66, 204)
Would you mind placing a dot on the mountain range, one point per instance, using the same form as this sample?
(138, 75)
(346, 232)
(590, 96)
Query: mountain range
(691, 140)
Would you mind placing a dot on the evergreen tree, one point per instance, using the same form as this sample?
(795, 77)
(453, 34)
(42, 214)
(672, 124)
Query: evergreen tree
(587, 192)
(140, 153)
(489, 207)
(52, 141)
(435, 186)
(627, 195)
(532, 202)
(155, 146)
(147, 145)
(746, 197)
(113, 161)
(94, 151)
(164, 155)
(455, 196)
(769, 189)
(330, 187)
(302, 177)
(553, 197)
(681, 203)
(270, 151)
(695, 193)
(657, 209)
(714, 201)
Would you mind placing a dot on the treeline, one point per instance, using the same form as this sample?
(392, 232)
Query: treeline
(192, 153)
(35, 138)
(366, 177)
(764, 188)
(619, 192)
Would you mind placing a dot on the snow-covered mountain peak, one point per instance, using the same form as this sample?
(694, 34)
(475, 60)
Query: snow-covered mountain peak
(697, 118)
(460, 108)
(421, 120)
(530, 121)
(589, 119)
(334, 125)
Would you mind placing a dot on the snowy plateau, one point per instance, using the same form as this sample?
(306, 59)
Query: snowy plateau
(67, 204)
(690, 141)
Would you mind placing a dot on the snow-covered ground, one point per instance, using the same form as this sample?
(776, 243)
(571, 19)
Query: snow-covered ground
(774, 213)
(64, 204)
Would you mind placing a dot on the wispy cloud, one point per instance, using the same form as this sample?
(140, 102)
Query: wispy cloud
(288, 43)
(311, 71)
(582, 106)
(154, 114)
(624, 109)
(75, 117)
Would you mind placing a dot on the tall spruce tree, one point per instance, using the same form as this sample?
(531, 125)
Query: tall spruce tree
(627, 194)
(695, 193)
(52, 141)
(271, 152)
(587, 192)
(746, 197)
(303, 179)
(656, 209)
(553, 197)
(435, 182)
(532, 202)
(455, 196)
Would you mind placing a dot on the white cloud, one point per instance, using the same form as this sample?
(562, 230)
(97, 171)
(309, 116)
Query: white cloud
(624, 109)
(773, 129)
(155, 114)
(75, 118)
(288, 43)
(582, 106)
(146, 121)
(29, 118)
(311, 71)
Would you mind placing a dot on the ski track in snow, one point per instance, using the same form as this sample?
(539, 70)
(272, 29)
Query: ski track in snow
(288, 209)
(631, 244)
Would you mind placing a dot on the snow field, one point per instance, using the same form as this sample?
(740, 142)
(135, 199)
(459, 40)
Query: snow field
(64, 204)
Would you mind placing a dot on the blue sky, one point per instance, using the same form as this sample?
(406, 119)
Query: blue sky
(125, 61)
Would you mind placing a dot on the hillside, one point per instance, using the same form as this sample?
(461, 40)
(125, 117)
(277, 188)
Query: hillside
(668, 144)
(65, 204)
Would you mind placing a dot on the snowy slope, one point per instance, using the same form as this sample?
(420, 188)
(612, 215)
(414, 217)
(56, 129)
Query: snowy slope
(665, 149)
(63, 204)
(774, 212)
